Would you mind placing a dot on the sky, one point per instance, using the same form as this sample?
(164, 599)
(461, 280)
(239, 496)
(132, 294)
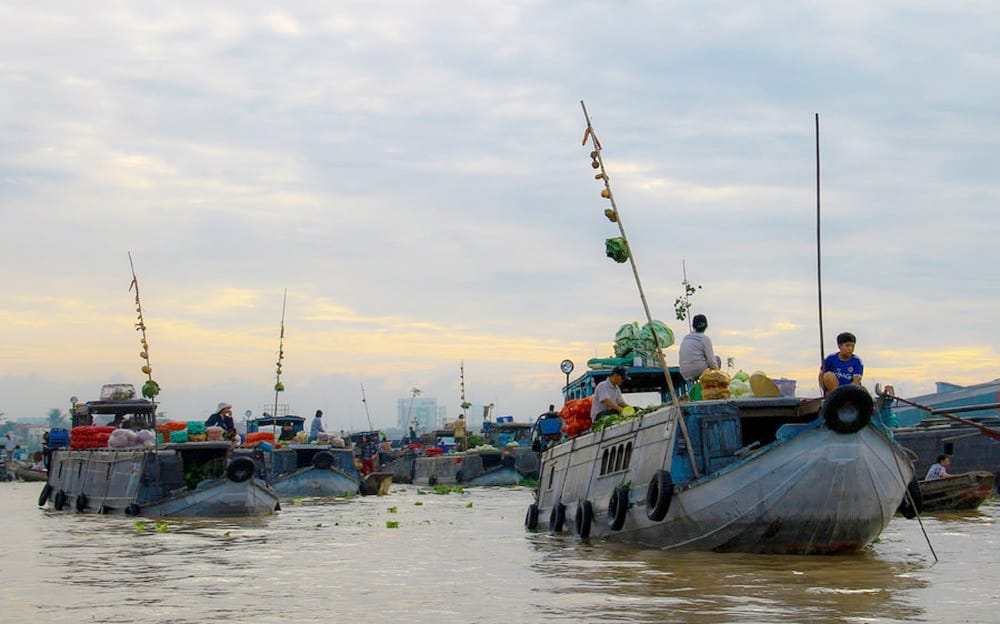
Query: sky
(411, 174)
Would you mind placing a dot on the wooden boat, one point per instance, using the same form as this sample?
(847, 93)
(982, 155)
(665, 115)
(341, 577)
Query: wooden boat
(26, 472)
(957, 492)
(756, 475)
(483, 467)
(376, 483)
(295, 470)
(185, 479)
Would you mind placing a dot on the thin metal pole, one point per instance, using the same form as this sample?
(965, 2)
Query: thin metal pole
(364, 400)
(819, 264)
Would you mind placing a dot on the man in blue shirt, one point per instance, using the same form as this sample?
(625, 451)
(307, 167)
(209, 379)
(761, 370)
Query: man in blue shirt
(843, 367)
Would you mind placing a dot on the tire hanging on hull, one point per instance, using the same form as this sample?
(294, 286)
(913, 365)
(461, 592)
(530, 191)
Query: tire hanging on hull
(658, 495)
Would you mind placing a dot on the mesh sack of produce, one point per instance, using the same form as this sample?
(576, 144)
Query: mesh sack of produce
(122, 438)
(259, 436)
(645, 342)
(179, 437)
(195, 427)
(625, 338)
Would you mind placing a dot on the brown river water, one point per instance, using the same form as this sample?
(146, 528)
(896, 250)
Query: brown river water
(464, 557)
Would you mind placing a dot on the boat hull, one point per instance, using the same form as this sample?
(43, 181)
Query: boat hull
(814, 491)
(468, 469)
(156, 483)
(312, 481)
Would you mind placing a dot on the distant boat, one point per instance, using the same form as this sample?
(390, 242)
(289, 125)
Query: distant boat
(957, 492)
(757, 475)
(302, 469)
(187, 479)
(25, 471)
(972, 445)
(953, 395)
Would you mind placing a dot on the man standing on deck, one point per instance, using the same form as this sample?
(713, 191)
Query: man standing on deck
(316, 427)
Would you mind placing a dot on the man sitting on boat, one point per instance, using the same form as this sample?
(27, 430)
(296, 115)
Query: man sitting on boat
(223, 417)
(608, 395)
(843, 367)
(939, 469)
(316, 427)
(696, 354)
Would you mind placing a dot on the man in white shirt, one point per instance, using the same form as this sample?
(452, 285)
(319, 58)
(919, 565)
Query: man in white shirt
(608, 394)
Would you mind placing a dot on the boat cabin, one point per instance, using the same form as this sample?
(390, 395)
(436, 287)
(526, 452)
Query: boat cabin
(720, 431)
(117, 407)
(505, 430)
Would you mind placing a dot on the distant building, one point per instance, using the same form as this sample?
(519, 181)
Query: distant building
(422, 413)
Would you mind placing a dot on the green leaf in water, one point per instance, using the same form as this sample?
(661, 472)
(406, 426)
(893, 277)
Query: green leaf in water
(391, 524)
(161, 527)
(392, 509)
(140, 526)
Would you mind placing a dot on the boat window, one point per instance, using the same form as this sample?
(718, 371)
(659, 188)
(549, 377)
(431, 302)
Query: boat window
(619, 457)
(612, 458)
(949, 448)
(552, 475)
(604, 461)
(628, 456)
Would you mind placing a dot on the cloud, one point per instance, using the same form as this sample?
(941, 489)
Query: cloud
(413, 177)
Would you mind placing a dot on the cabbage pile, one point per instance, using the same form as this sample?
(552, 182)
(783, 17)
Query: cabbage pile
(740, 385)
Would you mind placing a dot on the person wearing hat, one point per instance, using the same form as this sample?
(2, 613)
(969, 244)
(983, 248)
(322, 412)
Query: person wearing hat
(696, 352)
(223, 417)
(608, 395)
(316, 427)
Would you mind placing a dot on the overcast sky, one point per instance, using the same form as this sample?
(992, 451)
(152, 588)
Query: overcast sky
(412, 173)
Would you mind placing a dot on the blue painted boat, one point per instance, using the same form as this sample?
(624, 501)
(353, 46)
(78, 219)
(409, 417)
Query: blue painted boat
(296, 470)
(756, 475)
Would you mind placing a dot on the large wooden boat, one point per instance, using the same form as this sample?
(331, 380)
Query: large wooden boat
(755, 475)
(188, 479)
(957, 492)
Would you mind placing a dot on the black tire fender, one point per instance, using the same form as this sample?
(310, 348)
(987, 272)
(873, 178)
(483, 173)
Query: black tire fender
(459, 476)
(241, 468)
(658, 495)
(59, 502)
(44, 496)
(618, 508)
(848, 409)
(104, 510)
(908, 509)
(584, 519)
(133, 510)
(531, 517)
(81, 502)
(323, 460)
(557, 517)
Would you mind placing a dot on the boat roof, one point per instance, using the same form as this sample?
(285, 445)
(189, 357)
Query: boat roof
(280, 420)
(641, 379)
(121, 406)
